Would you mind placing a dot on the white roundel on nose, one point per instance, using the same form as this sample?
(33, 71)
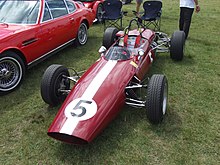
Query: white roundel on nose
(81, 109)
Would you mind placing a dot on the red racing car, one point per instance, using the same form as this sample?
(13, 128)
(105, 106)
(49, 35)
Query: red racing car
(115, 79)
(30, 30)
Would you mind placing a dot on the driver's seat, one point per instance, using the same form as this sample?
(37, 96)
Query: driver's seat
(132, 41)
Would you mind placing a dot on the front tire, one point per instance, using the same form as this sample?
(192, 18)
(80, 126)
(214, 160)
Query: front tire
(12, 71)
(177, 45)
(54, 80)
(157, 96)
(109, 37)
(82, 35)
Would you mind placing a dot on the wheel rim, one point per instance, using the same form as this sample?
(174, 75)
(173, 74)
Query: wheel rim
(164, 99)
(10, 73)
(60, 84)
(99, 13)
(82, 34)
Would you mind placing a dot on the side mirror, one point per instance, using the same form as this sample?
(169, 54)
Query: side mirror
(140, 52)
(102, 49)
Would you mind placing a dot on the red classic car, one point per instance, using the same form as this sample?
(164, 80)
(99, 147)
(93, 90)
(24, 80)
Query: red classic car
(118, 77)
(30, 30)
(96, 6)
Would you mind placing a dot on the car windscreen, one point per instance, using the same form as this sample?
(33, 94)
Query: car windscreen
(117, 53)
(19, 11)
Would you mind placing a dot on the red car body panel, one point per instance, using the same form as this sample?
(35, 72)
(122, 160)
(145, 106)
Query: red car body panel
(98, 96)
(93, 5)
(108, 106)
(37, 40)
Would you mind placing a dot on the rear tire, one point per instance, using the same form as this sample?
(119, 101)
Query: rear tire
(99, 13)
(82, 35)
(12, 71)
(177, 45)
(157, 94)
(109, 37)
(53, 80)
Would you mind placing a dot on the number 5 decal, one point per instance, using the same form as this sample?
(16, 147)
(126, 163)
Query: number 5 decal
(81, 109)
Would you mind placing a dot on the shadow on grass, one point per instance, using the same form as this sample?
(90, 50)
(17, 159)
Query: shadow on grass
(104, 145)
(116, 134)
(164, 59)
(170, 127)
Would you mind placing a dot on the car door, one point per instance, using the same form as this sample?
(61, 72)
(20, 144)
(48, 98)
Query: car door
(62, 23)
(57, 26)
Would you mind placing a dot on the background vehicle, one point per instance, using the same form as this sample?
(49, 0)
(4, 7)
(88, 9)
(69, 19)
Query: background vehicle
(96, 6)
(32, 30)
(117, 78)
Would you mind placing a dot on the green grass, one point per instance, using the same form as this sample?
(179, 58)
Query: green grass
(190, 133)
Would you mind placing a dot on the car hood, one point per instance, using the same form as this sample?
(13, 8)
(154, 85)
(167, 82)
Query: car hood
(104, 84)
(9, 29)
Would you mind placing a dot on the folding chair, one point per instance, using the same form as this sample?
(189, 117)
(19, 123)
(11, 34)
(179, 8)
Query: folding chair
(112, 14)
(152, 14)
(126, 2)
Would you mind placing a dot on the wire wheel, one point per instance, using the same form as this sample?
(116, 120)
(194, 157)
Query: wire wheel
(11, 72)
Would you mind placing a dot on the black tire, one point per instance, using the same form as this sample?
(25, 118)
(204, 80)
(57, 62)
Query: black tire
(157, 96)
(99, 13)
(82, 35)
(109, 37)
(12, 71)
(177, 45)
(53, 80)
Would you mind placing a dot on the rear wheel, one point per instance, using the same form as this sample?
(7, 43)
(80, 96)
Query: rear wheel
(157, 94)
(109, 37)
(12, 71)
(53, 82)
(177, 45)
(82, 35)
(99, 13)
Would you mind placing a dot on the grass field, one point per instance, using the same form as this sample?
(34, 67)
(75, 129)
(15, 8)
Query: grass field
(190, 133)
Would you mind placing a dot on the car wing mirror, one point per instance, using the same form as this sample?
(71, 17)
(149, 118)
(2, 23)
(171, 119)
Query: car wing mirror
(102, 49)
(140, 52)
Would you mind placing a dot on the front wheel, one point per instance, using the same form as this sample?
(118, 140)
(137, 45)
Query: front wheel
(157, 94)
(82, 35)
(53, 83)
(177, 45)
(12, 71)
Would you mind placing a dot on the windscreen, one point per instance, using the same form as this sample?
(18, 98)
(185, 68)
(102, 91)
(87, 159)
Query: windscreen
(19, 11)
(117, 53)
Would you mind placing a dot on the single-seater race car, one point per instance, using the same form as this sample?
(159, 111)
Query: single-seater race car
(114, 80)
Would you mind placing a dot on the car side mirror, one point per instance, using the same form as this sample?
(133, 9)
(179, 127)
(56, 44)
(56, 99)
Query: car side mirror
(140, 52)
(102, 49)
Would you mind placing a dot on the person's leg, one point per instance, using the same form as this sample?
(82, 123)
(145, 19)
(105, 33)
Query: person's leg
(138, 5)
(187, 20)
(181, 19)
